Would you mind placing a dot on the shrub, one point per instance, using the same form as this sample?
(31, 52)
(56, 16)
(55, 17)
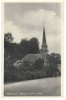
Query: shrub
(39, 64)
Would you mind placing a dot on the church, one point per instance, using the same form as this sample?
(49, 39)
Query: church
(33, 57)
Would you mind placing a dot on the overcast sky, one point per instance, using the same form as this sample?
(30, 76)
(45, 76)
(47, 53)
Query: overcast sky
(25, 20)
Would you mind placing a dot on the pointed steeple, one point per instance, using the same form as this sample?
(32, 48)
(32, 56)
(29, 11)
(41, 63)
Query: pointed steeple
(44, 48)
(44, 38)
(44, 44)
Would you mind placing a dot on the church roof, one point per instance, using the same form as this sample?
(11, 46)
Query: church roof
(34, 57)
(29, 57)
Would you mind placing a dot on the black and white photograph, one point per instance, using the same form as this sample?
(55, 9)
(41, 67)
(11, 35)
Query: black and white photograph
(33, 58)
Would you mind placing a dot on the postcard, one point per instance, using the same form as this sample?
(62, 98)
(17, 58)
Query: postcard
(32, 48)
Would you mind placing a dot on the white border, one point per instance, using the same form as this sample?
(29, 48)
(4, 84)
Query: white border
(62, 48)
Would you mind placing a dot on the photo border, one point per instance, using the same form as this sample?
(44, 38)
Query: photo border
(62, 45)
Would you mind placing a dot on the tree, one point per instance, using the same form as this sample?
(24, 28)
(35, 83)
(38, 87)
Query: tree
(34, 45)
(39, 64)
(8, 44)
(24, 45)
(55, 57)
(29, 47)
(8, 37)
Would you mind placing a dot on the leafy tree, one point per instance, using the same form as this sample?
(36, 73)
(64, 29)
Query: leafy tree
(55, 57)
(34, 45)
(26, 63)
(29, 47)
(39, 64)
(8, 37)
(24, 45)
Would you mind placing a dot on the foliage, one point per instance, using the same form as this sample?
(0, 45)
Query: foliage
(23, 45)
(55, 58)
(39, 64)
(8, 37)
(34, 46)
(26, 71)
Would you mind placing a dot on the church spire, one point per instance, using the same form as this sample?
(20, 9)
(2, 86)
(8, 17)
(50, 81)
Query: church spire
(44, 45)
(44, 48)
(44, 37)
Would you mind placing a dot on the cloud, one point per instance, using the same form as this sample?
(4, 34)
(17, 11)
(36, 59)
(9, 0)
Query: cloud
(16, 31)
(33, 20)
(31, 25)
(54, 43)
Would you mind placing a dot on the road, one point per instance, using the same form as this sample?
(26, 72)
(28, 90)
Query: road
(38, 87)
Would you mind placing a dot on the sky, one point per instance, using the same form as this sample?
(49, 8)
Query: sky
(25, 20)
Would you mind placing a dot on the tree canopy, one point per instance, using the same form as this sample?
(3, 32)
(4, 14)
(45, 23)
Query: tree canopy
(8, 37)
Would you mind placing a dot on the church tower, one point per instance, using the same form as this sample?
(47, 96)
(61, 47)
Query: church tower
(44, 47)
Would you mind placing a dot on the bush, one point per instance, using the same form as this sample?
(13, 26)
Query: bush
(39, 64)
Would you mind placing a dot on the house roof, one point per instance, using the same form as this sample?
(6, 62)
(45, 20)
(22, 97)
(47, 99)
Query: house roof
(29, 57)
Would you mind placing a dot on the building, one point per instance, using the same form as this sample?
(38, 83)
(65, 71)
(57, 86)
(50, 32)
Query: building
(33, 57)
